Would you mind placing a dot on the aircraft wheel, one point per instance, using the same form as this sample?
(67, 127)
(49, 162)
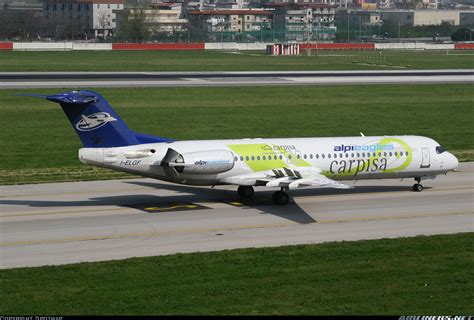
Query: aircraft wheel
(417, 187)
(280, 198)
(245, 192)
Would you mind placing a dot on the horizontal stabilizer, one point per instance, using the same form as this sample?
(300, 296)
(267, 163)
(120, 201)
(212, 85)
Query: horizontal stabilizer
(73, 97)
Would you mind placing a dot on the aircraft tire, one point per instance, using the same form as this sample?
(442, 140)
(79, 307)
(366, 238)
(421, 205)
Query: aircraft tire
(417, 187)
(280, 198)
(245, 192)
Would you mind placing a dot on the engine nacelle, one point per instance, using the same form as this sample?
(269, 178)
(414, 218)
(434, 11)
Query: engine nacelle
(205, 162)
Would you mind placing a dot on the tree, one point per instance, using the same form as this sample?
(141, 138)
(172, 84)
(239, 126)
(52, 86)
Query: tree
(462, 34)
(19, 24)
(133, 26)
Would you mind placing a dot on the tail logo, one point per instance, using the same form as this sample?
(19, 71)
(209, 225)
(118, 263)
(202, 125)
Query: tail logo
(94, 121)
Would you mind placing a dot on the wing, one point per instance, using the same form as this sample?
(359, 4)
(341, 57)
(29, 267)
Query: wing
(286, 177)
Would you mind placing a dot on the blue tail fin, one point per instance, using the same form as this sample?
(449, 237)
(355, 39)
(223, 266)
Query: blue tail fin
(95, 122)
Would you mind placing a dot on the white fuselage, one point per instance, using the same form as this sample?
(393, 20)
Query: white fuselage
(212, 162)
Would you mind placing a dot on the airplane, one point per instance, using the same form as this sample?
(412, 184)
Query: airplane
(286, 163)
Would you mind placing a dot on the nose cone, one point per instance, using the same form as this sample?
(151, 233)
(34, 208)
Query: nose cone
(452, 162)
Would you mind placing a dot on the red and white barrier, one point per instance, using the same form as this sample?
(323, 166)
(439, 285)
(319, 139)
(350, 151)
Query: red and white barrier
(283, 49)
(274, 49)
(464, 46)
(7, 46)
(158, 46)
(338, 46)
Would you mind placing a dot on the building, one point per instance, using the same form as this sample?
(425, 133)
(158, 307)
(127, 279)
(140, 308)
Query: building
(355, 17)
(95, 18)
(232, 24)
(436, 17)
(29, 5)
(428, 17)
(164, 17)
(303, 22)
(398, 17)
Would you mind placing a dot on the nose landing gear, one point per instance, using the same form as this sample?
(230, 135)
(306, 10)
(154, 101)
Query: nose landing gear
(417, 187)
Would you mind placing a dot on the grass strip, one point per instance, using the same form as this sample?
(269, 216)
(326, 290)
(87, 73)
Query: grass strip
(231, 61)
(420, 275)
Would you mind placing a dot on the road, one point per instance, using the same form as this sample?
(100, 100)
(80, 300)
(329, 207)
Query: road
(25, 80)
(60, 223)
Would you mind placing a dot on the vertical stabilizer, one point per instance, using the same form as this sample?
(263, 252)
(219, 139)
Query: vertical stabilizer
(93, 119)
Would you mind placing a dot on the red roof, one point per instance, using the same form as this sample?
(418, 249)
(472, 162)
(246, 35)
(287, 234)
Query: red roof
(298, 5)
(87, 1)
(230, 12)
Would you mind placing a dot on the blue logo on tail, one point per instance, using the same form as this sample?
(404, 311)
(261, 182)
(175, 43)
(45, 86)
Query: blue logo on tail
(94, 121)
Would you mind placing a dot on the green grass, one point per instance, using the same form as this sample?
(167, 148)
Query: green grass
(38, 143)
(225, 61)
(421, 275)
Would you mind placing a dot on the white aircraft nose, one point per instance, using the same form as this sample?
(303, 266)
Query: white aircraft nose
(452, 162)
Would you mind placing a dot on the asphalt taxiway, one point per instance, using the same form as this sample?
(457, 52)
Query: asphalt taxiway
(60, 223)
(24, 80)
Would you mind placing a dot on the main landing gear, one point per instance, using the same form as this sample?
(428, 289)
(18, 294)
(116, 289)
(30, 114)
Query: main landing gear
(280, 198)
(418, 187)
(245, 192)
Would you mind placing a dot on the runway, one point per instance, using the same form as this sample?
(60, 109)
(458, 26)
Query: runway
(60, 223)
(25, 80)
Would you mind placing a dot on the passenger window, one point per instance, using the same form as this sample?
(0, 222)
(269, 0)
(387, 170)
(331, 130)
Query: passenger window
(317, 156)
(264, 158)
(236, 159)
(247, 158)
(363, 154)
(347, 155)
(329, 155)
(304, 156)
(322, 156)
(335, 156)
(380, 154)
(253, 158)
(241, 158)
(396, 153)
(358, 155)
(298, 156)
(311, 156)
(406, 153)
(384, 154)
(289, 156)
(373, 154)
(281, 157)
(258, 158)
(390, 154)
(352, 155)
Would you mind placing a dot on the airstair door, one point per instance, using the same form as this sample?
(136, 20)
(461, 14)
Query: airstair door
(425, 158)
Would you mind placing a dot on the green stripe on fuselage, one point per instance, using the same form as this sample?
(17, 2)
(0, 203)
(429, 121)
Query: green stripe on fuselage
(269, 152)
(247, 151)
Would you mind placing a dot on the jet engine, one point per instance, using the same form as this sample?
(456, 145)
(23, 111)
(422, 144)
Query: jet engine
(201, 162)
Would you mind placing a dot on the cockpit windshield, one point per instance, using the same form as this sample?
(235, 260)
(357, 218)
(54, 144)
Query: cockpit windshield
(440, 149)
